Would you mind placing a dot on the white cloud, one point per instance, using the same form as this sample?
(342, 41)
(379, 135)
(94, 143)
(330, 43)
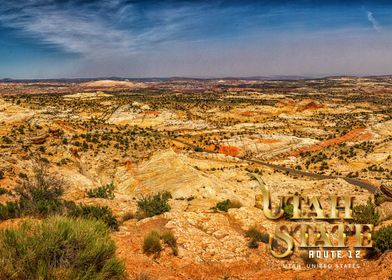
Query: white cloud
(93, 31)
(373, 21)
(75, 31)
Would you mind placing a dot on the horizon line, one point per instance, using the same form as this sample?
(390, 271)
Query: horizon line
(253, 77)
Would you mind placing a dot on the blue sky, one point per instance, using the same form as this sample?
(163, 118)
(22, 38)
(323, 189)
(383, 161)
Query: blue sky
(54, 39)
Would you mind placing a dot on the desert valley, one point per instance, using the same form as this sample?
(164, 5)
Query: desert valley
(193, 146)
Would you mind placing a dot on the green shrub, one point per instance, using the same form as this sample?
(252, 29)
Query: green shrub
(9, 210)
(152, 243)
(170, 240)
(128, 216)
(253, 244)
(41, 195)
(59, 248)
(101, 213)
(3, 191)
(366, 214)
(225, 205)
(288, 211)
(258, 236)
(7, 140)
(382, 239)
(379, 199)
(106, 191)
(255, 237)
(153, 205)
(1, 174)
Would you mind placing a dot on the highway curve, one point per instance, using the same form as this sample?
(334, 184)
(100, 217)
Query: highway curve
(367, 186)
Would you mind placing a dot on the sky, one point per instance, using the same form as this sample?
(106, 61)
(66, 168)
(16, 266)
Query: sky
(133, 39)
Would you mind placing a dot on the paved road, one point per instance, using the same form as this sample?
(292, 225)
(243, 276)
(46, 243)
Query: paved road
(367, 186)
(352, 181)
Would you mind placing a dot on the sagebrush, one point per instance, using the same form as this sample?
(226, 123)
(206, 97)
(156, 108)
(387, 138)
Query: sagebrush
(59, 248)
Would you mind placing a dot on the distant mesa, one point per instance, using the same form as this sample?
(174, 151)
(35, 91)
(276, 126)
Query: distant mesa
(112, 83)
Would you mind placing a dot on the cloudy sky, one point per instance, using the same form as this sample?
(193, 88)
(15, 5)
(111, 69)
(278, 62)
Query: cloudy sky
(69, 38)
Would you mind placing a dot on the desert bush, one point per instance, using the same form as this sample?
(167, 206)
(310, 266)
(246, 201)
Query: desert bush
(1, 174)
(7, 140)
(366, 214)
(255, 237)
(171, 241)
(253, 244)
(153, 205)
(59, 248)
(379, 199)
(258, 236)
(382, 239)
(152, 243)
(288, 211)
(38, 196)
(3, 191)
(101, 213)
(128, 216)
(41, 195)
(9, 210)
(225, 205)
(106, 191)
